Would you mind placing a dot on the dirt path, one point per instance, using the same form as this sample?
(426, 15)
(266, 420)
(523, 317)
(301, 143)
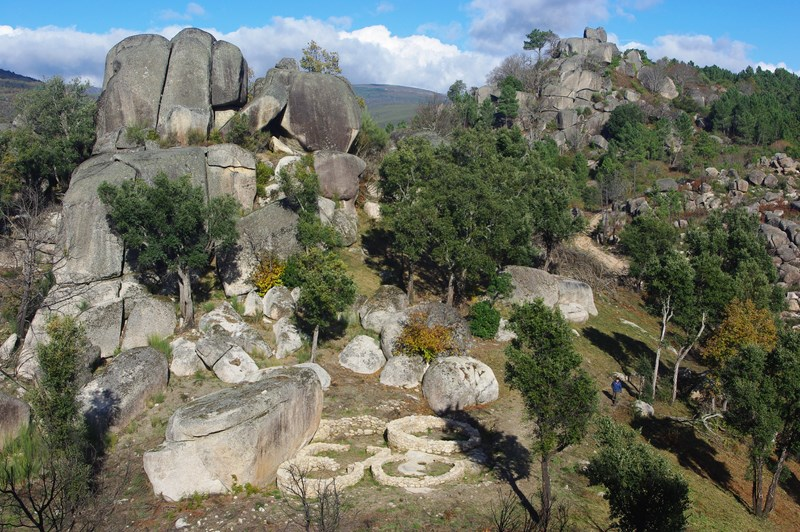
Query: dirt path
(585, 243)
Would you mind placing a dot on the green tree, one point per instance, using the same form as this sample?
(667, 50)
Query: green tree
(55, 133)
(552, 218)
(326, 289)
(537, 39)
(754, 410)
(317, 59)
(643, 492)
(300, 185)
(644, 240)
(170, 227)
(507, 104)
(785, 363)
(670, 283)
(560, 398)
(44, 476)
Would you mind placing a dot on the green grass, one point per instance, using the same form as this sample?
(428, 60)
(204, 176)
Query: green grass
(159, 343)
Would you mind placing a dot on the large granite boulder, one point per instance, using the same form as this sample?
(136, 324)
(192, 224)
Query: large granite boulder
(532, 283)
(338, 173)
(186, 97)
(342, 217)
(403, 372)
(91, 250)
(134, 76)
(14, 417)
(113, 399)
(323, 376)
(454, 383)
(242, 433)
(270, 96)
(436, 313)
(272, 229)
(362, 355)
(322, 112)
(278, 303)
(228, 76)
(382, 307)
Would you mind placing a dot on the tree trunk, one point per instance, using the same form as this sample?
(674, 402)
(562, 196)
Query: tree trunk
(681, 355)
(758, 481)
(666, 315)
(451, 288)
(546, 497)
(185, 294)
(314, 340)
(410, 283)
(769, 505)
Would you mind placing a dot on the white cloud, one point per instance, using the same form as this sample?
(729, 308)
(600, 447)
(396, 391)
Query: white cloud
(703, 50)
(195, 9)
(50, 50)
(385, 7)
(367, 55)
(500, 28)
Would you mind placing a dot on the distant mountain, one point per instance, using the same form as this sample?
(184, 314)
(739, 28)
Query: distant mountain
(393, 103)
(10, 85)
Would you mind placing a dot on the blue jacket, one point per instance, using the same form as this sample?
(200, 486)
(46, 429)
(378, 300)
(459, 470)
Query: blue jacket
(616, 386)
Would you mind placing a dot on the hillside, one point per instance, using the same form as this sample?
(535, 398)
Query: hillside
(393, 103)
(344, 347)
(12, 84)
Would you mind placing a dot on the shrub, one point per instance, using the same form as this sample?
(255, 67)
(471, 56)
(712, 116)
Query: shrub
(483, 320)
(268, 273)
(263, 175)
(643, 491)
(195, 137)
(161, 344)
(423, 340)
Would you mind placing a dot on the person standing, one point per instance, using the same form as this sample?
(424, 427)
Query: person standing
(616, 389)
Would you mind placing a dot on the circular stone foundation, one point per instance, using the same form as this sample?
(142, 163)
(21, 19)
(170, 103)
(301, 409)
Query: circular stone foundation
(456, 472)
(400, 434)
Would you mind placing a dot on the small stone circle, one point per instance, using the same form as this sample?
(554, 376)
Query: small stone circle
(400, 434)
(457, 471)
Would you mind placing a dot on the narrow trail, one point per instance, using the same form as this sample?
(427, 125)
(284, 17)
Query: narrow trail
(586, 244)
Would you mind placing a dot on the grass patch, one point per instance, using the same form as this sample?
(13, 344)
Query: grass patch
(161, 344)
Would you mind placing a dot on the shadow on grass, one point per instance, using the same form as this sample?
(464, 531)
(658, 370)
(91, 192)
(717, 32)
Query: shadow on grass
(692, 452)
(625, 350)
(505, 456)
(791, 484)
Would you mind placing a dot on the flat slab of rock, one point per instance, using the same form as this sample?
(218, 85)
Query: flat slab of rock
(113, 399)
(246, 432)
(362, 355)
(454, 383)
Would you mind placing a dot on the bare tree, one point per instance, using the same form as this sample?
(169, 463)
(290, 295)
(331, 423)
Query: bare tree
(26, 221)
(313, 504)
(652, 76)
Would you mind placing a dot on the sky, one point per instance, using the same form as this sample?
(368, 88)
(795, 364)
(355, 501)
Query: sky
(420, 44)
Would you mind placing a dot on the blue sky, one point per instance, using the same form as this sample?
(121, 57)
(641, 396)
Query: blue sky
(422, 44)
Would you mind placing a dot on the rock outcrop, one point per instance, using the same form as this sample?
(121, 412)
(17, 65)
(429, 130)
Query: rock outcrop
(574, 298)
(173, 87)
(239, 434)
